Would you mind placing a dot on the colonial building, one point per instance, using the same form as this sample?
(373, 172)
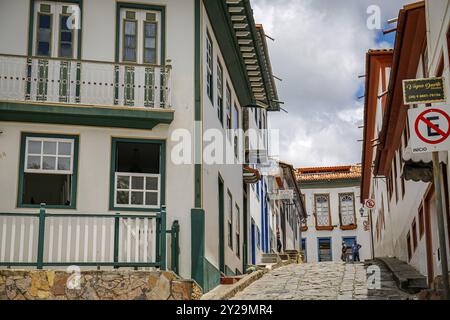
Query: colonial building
(332, 199)
(400, 183)
(96, 98)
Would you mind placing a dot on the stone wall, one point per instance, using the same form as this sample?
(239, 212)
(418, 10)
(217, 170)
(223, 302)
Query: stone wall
(95, 285)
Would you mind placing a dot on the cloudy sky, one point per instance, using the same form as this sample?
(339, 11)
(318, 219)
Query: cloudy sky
(319, 51)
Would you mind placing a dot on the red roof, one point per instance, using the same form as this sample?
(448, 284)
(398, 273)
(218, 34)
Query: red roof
(328, 173)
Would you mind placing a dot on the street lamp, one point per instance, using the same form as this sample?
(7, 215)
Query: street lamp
(361, 211)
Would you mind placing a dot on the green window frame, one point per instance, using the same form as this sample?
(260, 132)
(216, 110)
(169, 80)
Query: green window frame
(50, 30)
(162, 156)
(62, 31)
(150, 47)
(74, 181)
(220, 86)
(138, 6)
(209, 68)
(124, 37)
(230, 213)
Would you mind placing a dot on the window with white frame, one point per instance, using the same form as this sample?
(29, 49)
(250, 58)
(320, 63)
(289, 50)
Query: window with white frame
(230, 220)
(49, 156)
(220, 91)
(322, 210)
(55, 34)
(347, 209)
(48, 171)
(238, 231)
(137, 178)
(140, 36)
(209, 67)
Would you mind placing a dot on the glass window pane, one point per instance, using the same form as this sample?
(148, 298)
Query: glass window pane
(123, 182)
(130, 42)
(66, 36)
(130, 27)
(65, 148)
(151, 184)
(137, 183)
(44, 35)
(150, 56)
(43, 48)
(49, 163)
(49, 147)
(123, 197)
(150, 30)
(44, 21)
(64, 23)
(34, 162)
(63, 164)
(151, 198)
(34, 147)
(130, 54)
(150, 43)
(65, 50)
(137, 198)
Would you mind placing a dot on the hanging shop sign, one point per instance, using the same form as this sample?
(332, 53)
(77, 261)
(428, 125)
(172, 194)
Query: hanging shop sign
(419, 91)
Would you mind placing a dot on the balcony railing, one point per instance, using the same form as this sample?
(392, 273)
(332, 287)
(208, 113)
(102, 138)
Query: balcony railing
(82, 82)
(87, 240)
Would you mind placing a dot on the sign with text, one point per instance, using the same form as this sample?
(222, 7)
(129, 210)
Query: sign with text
(283, 195)
(418, 91)
(430, 129)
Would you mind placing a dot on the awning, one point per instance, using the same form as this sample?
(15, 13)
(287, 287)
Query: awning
(251, 176)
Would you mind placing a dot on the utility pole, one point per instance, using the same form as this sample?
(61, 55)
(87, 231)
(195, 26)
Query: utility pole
(438, 183)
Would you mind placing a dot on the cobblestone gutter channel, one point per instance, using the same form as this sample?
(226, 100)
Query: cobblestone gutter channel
(95, 285)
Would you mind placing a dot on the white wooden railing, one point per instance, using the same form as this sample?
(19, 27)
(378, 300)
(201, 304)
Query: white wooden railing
(55, 240)
(84, 82)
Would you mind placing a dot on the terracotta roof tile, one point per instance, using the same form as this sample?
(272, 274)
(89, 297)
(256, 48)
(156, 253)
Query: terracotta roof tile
(328, 173)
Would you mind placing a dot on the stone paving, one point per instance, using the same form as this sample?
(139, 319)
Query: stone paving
(322, 281)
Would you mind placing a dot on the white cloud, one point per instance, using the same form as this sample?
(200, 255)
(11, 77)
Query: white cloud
(319, 51)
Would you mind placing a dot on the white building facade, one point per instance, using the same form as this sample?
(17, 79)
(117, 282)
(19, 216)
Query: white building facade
(405, 218)
(96, 98)
(331, 197)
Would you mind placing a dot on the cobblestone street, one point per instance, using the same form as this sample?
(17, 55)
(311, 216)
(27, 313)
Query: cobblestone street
(322, 281)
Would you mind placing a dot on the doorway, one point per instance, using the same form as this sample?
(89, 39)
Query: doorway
(349, 241)
(221, 225)
(324, 248)
(253, 242)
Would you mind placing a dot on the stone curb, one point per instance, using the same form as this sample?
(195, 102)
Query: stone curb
(237, 287)
(243, 283)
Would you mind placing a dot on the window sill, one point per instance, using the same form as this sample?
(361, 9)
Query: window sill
(351, 227)
(304, 229)
(135, 209)
(328, 228)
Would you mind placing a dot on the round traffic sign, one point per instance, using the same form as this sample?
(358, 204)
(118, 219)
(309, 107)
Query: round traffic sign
(370, 204)
(440, 134)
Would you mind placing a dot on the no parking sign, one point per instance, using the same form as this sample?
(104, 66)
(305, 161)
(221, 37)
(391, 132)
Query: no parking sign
(430, 129)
